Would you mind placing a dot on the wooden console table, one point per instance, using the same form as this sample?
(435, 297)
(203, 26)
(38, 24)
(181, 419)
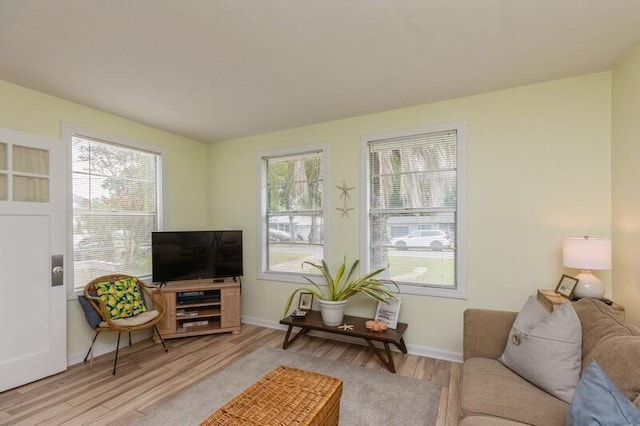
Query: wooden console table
(313, 321)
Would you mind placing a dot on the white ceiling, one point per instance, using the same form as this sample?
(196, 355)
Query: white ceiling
(220, 69)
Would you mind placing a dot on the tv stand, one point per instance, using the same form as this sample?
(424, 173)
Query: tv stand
(198, 307)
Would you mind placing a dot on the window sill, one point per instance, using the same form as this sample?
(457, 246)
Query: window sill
(449, 293)
(293, 278)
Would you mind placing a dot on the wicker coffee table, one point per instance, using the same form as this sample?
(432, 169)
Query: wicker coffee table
(285, 396)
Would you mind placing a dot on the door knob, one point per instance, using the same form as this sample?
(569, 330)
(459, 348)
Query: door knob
(57, 271)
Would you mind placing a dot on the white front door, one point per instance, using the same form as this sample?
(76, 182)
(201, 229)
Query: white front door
(33, 314)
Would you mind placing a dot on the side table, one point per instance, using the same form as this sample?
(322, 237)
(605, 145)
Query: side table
(551, 300)
(313, 321)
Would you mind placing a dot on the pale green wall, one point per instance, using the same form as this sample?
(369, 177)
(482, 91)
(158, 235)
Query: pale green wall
(186, 170)
(535, 153)
(538, 171)
(625, 179)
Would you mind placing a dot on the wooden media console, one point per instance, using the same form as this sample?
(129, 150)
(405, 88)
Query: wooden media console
(198, 307)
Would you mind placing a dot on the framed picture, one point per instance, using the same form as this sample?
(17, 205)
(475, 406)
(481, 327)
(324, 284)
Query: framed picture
(566, 285)
(306, 301)
(388, 312)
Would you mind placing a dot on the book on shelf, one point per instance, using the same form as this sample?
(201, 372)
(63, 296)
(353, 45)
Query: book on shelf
(195, 323)
(183, 313)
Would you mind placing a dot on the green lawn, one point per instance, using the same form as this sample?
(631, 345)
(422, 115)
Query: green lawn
(418, 269)
(411, 266)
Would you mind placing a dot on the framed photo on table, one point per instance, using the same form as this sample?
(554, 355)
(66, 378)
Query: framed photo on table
(388, 312)
(566, 285)
(306, 301)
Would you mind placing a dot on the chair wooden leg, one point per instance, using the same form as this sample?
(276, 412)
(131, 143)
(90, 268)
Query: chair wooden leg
(115, 361)
(129, 338)
(91, 347)
(161, 339)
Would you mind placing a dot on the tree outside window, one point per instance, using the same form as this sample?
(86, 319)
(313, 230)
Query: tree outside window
(115, 208)
(412, 219)
(293, 211)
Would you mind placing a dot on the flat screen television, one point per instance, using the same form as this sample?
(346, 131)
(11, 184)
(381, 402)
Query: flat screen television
(192, 255)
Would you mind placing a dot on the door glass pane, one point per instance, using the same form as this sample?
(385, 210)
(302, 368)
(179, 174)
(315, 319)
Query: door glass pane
(3, 188)
(30, 189)
(3, 156)
(30, 160)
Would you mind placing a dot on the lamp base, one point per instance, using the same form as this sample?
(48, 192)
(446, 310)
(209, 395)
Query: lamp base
(588, 286)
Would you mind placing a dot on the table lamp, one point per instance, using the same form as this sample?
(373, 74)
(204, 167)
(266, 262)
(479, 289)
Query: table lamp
(587, 254)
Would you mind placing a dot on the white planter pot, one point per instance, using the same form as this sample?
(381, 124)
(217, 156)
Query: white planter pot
(332, 312)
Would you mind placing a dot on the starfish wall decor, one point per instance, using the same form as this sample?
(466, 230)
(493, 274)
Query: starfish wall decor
(344, 188)
(344, 196)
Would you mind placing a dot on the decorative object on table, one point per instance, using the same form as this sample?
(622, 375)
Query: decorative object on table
(340, 287)
(376, 325)
(388, 312)
(297, 313)
(566, 285)
(305, 302)
(587, 254)
(346, 327)
(344, 196)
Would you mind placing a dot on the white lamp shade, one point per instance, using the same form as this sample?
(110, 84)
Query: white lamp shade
(587, 253)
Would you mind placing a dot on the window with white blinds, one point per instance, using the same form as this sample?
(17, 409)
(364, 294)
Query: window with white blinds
(293, 215)
(413, 201)
(116, 192)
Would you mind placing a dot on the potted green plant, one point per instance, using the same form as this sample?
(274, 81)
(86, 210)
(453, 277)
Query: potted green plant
(340, 287)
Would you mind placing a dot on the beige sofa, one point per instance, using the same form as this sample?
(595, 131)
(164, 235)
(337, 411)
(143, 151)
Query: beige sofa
(492, 394)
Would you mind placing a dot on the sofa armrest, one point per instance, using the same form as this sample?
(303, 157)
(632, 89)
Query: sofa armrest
(486, 332)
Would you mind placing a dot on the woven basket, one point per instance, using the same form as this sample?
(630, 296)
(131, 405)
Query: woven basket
(285, 396)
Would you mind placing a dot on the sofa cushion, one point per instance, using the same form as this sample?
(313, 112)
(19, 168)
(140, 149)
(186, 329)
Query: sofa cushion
(491, 389)
(598, 401)
(546, 348)
(92, 316)
(619, 357)
(139, 319)
(599, 320)
(613, 343)
(488, 421)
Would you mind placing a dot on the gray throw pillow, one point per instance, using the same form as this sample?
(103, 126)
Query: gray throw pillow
(91, 315)
(546, 348)
(597, 401)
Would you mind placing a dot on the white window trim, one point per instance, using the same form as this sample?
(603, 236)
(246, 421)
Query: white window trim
(296, 278)
(67, 131)
(460, 292)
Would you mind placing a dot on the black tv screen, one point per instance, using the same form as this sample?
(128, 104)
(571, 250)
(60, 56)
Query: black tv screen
(192, 255)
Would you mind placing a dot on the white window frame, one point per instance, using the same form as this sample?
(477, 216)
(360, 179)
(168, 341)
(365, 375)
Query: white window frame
(292, 277)
(68, 131)
(460, 291)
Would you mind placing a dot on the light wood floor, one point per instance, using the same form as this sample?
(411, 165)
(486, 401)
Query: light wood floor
(89, 394)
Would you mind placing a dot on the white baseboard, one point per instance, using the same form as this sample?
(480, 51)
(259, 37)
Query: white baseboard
(109, 345)
(411, 349)
(105, 344)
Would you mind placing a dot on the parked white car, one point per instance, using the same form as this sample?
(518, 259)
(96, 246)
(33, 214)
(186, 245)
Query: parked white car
(279, 236)
(434, 239)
